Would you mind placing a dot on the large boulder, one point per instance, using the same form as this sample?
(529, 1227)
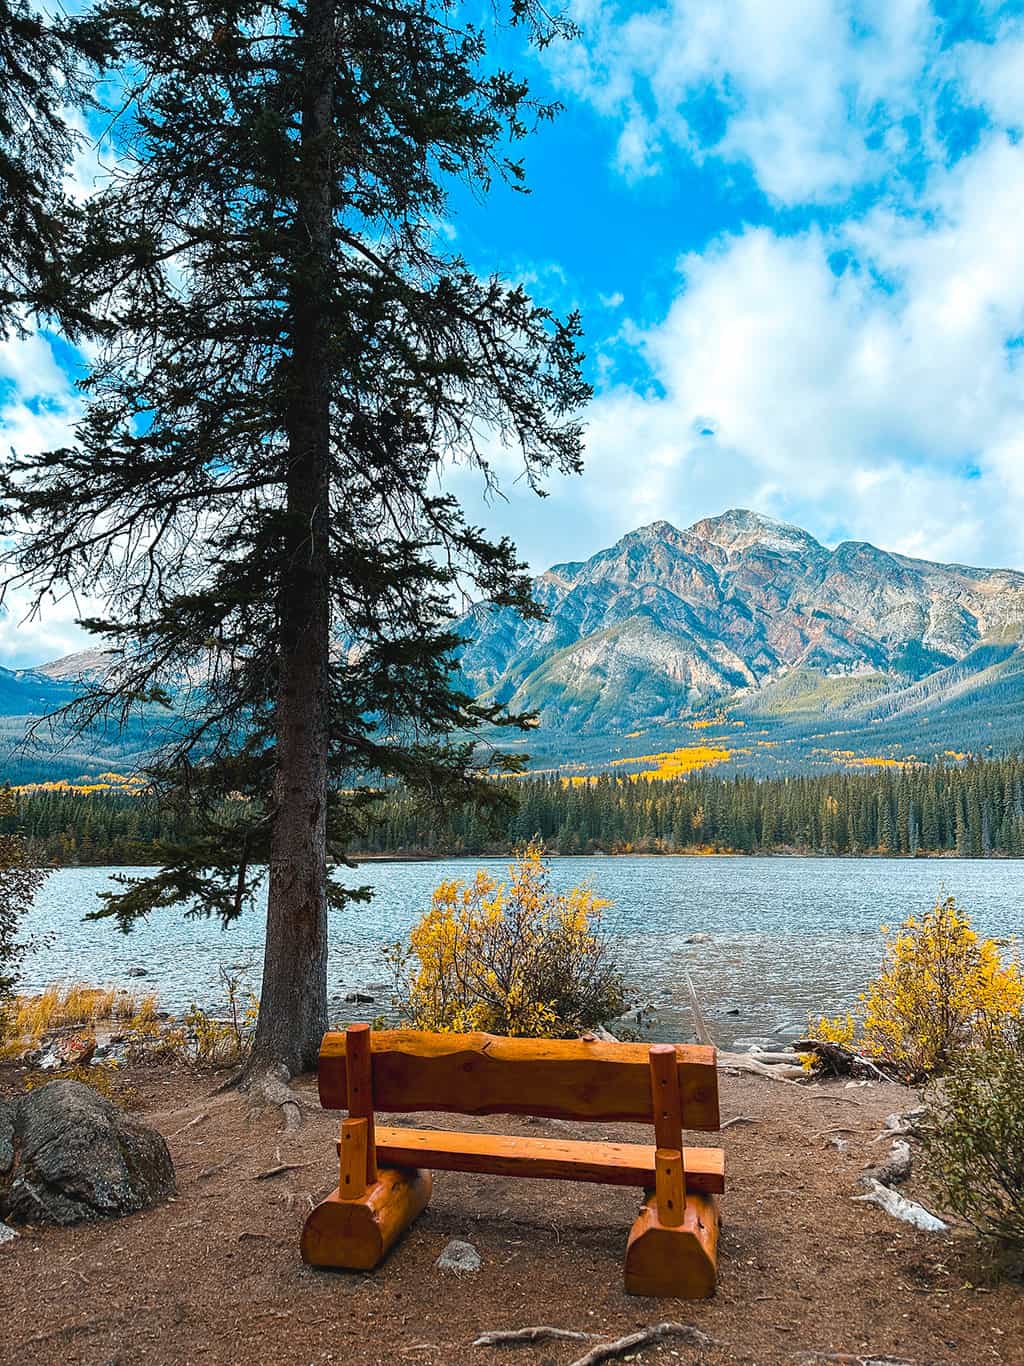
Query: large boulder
(67, 1154)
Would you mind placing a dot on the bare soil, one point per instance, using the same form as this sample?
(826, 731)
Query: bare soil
(214, 1276)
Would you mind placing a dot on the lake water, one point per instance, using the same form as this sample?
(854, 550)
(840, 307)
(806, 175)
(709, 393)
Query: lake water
(787, 935)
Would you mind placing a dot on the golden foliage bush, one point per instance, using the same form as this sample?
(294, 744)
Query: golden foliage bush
(511, 957)
(941, 989)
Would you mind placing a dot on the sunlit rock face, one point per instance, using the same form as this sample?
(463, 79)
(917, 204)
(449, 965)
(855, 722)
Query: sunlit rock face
(666, 621)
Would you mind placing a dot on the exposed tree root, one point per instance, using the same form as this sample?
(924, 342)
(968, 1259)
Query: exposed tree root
(685, 1332)
(521, 1337)
(894, 1170)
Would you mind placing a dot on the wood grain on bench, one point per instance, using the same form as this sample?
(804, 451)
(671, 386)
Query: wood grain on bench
(609, 1164)
(480, 1074)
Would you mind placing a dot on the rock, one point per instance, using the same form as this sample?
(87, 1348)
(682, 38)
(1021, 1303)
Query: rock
(7, 1234)
(359, 997)
(138, 972)
(459, 1257)
(699, 938)
(67, 1154)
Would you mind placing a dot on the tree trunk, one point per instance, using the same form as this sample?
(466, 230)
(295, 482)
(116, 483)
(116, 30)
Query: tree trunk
(293, 1005)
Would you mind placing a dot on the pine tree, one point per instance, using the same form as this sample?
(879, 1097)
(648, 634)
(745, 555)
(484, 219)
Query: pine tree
(296, 357)
(46, 68)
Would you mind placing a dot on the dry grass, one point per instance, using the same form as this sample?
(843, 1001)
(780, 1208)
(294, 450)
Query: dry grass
(77, 1006)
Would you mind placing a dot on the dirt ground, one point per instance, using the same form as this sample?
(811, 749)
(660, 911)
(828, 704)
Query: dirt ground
(214, 1276)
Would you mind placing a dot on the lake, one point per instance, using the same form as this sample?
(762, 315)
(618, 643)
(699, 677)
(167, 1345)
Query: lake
(787, 935)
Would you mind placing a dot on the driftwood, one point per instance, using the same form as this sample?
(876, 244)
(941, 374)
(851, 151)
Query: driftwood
(835, 1060)
(894, 1170)
(606, 1351)
(700, 1024)
(907, 1211)
(904, 1123)
(751, 1062)
(521, 1337)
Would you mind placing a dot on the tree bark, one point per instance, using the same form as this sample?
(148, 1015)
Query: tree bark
(293, 1004)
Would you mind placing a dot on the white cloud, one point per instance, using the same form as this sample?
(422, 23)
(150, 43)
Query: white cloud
(809, 94)
(38, 410)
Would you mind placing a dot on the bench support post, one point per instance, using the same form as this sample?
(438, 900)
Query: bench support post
(673, 1245)
(362, 1219)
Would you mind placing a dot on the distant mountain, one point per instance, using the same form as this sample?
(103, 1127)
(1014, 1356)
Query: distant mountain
(757, 616)
(795, 651)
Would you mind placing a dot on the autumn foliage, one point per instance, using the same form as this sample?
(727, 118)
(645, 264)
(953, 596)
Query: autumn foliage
(512, 957)
(942, 991)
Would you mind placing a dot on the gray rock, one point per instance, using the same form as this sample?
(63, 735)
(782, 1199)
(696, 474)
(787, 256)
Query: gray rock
(138, 972)
(7, 1234)
(459, 1257)
(699, 938)
(68, 1154)
(360, 997)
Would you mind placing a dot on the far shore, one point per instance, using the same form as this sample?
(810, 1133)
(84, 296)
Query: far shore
(443, 857)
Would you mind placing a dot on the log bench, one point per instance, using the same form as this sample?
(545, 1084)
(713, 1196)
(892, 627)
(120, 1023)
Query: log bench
(385, 1173)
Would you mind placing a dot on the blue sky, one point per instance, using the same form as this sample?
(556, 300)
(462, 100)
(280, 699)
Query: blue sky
(796, 234)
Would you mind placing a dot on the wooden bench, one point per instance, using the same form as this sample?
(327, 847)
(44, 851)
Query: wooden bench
(385, 1180)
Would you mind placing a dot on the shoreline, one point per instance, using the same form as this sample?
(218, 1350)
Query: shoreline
(943, 855)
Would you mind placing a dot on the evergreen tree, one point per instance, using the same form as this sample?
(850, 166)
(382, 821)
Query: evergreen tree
(46, 67)
(253, 492)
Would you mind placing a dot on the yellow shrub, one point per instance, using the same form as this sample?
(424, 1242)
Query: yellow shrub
(77, 1006)
(941, 989)
(837, 1030)
(510, 958)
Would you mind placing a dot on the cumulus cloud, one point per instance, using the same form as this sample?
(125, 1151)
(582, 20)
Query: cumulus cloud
(853, 362)
(815, 96)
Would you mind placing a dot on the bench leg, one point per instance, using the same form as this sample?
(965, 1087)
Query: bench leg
(681, 1263)
(358, 1234)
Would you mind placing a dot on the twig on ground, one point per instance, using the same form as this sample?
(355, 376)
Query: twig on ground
(605, 1351)
(737, 1119)
(207, 1172)
(281, 1168)
(191, 1124)
(518, 1337)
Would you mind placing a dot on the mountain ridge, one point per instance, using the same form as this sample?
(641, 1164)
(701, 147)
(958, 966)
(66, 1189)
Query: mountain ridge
(668, 622)
(737, 615)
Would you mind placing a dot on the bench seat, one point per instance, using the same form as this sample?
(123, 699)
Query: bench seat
(608, 1164)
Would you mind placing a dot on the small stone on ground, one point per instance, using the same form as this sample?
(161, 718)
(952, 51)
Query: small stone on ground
(459, 1257)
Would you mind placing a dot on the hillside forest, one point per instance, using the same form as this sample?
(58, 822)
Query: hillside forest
(973, 809)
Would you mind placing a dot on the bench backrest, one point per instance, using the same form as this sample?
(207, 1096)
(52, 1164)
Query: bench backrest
(481, 1074)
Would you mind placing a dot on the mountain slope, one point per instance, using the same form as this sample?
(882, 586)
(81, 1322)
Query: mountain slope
(804, 653)
(745, 611)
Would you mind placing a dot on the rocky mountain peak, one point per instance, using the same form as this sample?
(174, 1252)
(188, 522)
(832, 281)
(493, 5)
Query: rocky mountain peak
(738, 529)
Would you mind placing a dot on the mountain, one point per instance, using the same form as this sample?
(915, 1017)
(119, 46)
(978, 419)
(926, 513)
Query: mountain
(784, 652)
(757, 617)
